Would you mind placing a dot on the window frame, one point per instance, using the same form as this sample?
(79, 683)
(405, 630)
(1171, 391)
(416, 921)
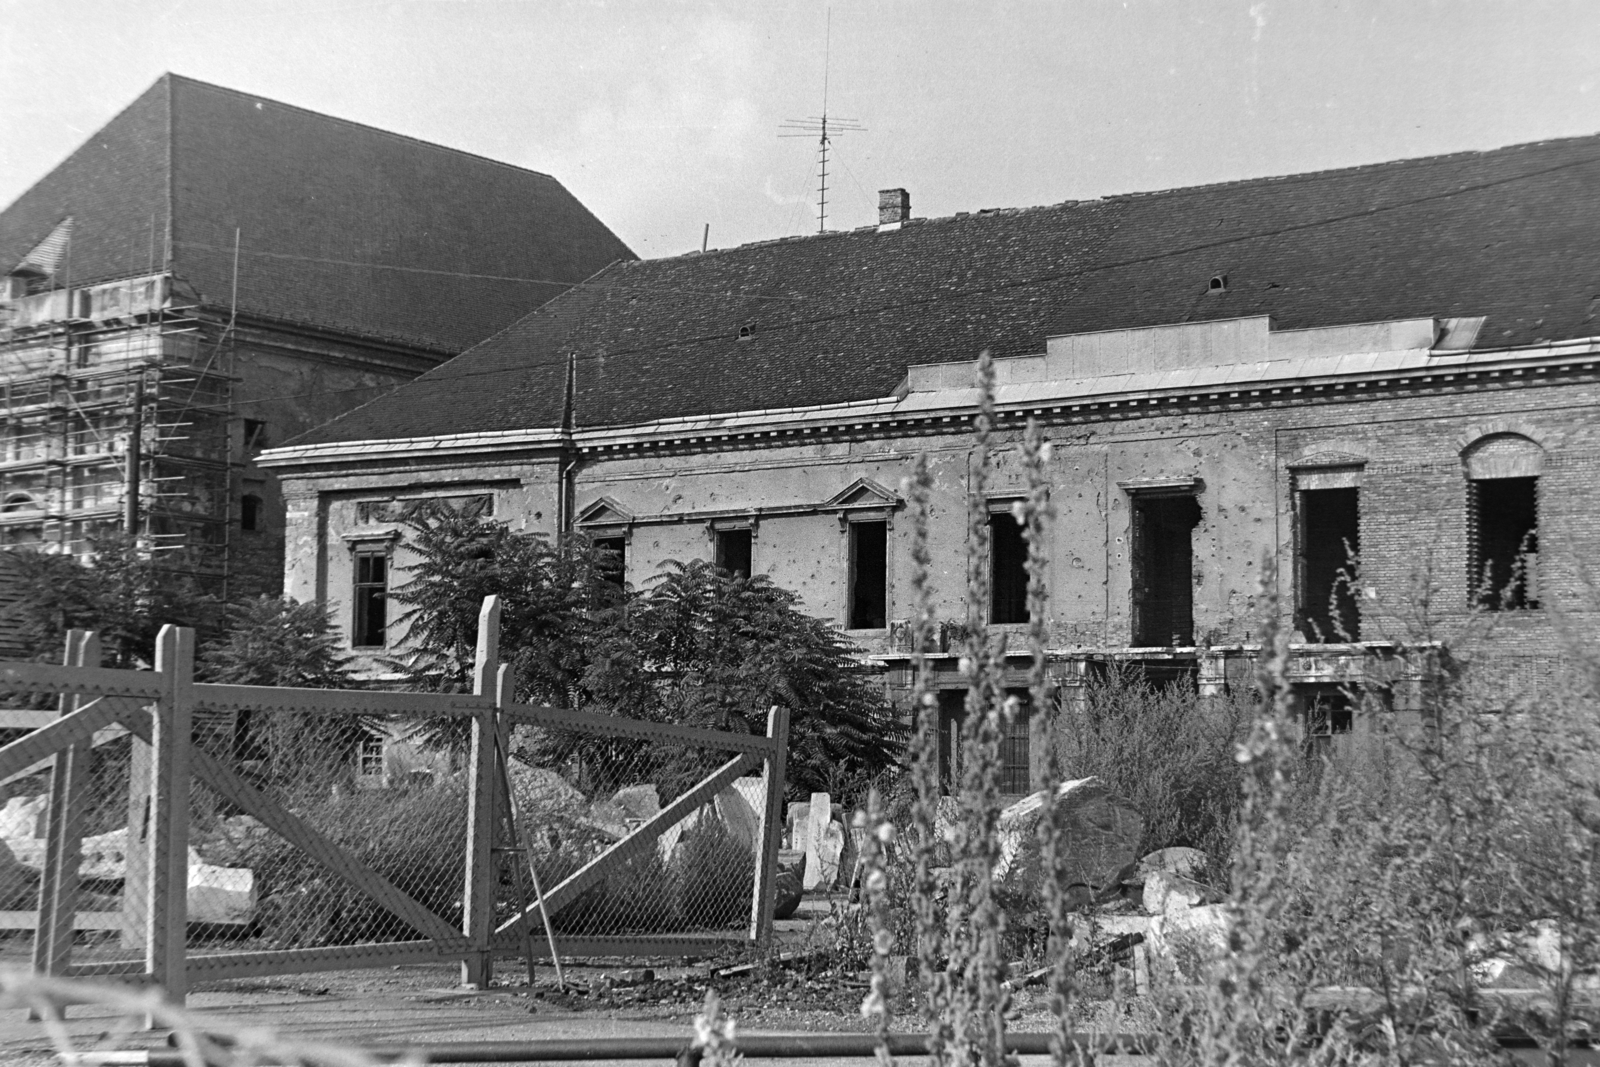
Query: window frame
(1504, 454)
(718, 530)
(1317, 480)
(852, 530)
(1002, 507)
(1141, 497)
(360, 622)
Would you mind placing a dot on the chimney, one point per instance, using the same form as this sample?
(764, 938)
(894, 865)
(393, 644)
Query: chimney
(894, 207)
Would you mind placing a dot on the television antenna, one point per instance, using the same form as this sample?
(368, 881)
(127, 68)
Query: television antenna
(823, 128)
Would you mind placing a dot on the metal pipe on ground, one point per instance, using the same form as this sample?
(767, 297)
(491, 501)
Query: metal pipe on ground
(751, 1046)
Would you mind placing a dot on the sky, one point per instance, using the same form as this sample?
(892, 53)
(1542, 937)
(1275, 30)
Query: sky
(664, 116)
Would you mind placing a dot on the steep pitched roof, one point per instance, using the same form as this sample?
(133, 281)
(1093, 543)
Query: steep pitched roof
(341, 226)
(1513, 234)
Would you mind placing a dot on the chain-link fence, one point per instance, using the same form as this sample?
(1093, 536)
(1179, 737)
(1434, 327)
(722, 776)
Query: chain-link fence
(579, 795)
(250, 830)
(110, 904)
(388, 794)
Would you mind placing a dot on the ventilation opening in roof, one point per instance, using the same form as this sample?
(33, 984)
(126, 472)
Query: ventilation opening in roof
(1219, 283)
(745, 333)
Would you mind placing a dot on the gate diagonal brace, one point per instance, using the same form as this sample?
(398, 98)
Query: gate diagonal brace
(301, 835)
(635, 843)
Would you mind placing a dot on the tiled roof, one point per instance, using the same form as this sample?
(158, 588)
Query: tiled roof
(322, 206)
(1511, 234)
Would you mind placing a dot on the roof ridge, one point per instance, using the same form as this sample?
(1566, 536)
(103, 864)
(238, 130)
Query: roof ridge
(258, 98)
(1333, 172)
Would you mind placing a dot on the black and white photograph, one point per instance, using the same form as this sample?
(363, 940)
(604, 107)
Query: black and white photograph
(987, 533)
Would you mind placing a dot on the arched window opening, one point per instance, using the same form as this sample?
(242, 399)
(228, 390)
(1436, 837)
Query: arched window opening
(17, 503)
(1503, 472)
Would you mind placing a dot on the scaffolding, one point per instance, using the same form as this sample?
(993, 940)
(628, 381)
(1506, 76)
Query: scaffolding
(117, 404)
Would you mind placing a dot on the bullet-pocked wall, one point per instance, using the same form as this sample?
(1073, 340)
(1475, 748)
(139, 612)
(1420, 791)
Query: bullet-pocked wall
(1166, 506)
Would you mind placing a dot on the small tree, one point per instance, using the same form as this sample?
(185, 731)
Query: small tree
(282, 643)
(119, 591)
(712, 649)
(554, 601)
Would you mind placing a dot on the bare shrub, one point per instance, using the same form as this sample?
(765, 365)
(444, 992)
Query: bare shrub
(1167, 749)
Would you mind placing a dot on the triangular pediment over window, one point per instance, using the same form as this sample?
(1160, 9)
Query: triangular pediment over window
(604, 512)
(864, 493)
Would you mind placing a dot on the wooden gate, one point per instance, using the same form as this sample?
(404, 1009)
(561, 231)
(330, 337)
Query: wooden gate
(167, 769)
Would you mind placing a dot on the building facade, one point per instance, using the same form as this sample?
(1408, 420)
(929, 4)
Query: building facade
(212, 274)
(1383, 380)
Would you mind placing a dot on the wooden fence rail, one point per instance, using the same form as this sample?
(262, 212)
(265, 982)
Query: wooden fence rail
(97, 704)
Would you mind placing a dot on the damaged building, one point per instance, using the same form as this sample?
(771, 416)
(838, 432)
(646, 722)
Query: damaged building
(1394, 361)
(212, 273)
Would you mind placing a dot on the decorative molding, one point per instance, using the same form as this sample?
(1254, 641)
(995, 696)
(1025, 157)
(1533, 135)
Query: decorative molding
(603, 511)
(862, 493)
(476, 505)
(1475, 433)
(1184, 484)
(1331, 452)
(353, 538)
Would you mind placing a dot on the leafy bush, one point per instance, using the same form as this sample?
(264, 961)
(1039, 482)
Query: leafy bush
(121, 591)
(270, 641)
(712, 649)
(699, 646)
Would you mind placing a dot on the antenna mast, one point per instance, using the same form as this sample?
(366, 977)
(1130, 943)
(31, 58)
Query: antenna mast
(819, 125)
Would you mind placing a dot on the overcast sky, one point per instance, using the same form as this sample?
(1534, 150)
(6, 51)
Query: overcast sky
(663, 116)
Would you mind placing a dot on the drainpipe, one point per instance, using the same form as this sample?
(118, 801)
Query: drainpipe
(567, 458)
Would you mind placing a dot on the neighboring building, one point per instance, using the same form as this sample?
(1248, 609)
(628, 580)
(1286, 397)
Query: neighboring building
(1399, 360)
(213, 273)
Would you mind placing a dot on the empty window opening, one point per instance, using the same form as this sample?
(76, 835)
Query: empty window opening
(745, 333)
(371, 597)
(869, 575)
(250, 512)
(733, 552)
(1008, 569)
(1219, 283)
(611, 558)
(255, 434)
(1503, 536)
(1329, 543)
(1163, 570)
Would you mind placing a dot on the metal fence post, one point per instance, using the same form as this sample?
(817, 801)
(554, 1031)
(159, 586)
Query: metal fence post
(58, 889)
(477, 902)
(167, 909)
(771, 828)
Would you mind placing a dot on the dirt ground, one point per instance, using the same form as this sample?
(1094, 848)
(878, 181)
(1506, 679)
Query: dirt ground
(424, 1004)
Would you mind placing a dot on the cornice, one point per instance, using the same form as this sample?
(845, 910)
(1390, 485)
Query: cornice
(951, 411)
